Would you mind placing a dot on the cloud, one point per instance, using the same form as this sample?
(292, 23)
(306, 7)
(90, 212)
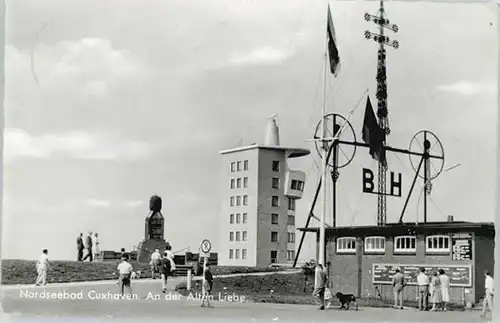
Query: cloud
(98, 203)
(77, 144)
(134, 204)
(84, 67)
(469, 88)
(264, 55)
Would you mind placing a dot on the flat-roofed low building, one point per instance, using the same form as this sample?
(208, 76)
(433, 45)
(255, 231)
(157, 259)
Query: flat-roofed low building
(363, 258)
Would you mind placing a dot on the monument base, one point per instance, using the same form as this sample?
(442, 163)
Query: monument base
(147, 247)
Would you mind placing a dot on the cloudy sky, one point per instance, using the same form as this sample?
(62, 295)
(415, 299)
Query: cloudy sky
(109, 102)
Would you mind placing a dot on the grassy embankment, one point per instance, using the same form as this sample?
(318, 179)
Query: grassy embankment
(23, 271)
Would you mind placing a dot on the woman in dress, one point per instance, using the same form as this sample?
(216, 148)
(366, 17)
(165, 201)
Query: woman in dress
(435, 292)
(444, 281)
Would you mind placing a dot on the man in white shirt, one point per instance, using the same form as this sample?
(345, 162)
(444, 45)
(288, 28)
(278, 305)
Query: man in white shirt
(423, 289)
(125, 272)
(170, 255)
(42, 266)
(488, 293)
(155, 263)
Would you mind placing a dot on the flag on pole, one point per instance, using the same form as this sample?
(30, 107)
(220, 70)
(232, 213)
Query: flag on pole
(373, 135)
(333, 52)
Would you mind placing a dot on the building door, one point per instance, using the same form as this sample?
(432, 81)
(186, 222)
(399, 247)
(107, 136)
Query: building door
(274, 256)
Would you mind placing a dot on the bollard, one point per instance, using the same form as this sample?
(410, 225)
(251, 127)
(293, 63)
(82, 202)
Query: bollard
(189, 279)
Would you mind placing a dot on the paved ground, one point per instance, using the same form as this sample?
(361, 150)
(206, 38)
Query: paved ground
(22, 302)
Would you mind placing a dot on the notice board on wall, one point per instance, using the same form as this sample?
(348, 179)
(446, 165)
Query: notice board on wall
(460, 275)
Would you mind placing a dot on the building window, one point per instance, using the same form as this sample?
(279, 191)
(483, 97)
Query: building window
(405, 244)
(237, 254)
(243, 254)
(231, 201)
(291, 237)
(274, 256)
(231, 236)
(245, 165)
(276, 166)
(237, 236)
(274, 218)
(300, 185)
(291, 204)
(238, 200)
(232, 183)
(290, 254)
(233, 167)
(291, 220)
(245, 218)
(276, 183)
(275, 201)
(274, 236)
(245, 199)
(346, 245)
(238, 183)
(238, 167)
(231, 218)
(244, 236)
(374, 244)
(437, 243)
(294, 184)
(245, 182)
(230, 253)
(238, 218)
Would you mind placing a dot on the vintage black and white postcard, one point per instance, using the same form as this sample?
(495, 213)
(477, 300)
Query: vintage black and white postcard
(250, 160)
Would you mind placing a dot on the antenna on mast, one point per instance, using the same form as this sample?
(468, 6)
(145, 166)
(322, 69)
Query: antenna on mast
(382, 111)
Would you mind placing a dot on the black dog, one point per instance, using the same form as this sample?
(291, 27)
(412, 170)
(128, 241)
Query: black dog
(346, 299)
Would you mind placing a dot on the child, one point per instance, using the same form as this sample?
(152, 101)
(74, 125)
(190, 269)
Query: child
(207, 286)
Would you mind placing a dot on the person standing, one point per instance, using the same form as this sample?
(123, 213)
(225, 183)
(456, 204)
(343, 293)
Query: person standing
(88, 242)
(207, 285)
(155, 263)
(444, 281)
(124, 254)
(125, 272)
(79, 247)
(398, 285)
(97, 250)
(164, 269)
(423, 289)
(488, 293)
(319, 286)
(42, 266)
(435, 291)
(171, 256)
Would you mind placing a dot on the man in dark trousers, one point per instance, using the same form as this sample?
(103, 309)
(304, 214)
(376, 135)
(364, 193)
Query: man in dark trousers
(79, 247)
(89, 254)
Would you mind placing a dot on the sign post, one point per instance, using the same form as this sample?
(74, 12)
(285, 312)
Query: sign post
(205, 247)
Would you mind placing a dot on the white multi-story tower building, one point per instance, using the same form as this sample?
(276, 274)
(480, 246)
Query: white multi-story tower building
(259, 194)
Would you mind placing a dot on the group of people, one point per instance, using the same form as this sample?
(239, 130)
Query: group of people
(434, 289)
(91, 244)
(437, 288)
(163, 265)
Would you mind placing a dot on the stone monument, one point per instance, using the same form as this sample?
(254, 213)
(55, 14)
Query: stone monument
(154, 231)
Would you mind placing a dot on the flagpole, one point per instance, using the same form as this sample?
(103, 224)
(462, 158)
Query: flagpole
(324, 161)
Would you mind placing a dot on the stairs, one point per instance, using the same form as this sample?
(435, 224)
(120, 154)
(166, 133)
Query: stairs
(182, 270)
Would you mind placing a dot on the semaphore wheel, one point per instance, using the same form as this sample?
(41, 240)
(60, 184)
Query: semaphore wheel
(422, 140)
(333, 124)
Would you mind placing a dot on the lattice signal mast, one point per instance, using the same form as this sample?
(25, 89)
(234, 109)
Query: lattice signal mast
(382, 111)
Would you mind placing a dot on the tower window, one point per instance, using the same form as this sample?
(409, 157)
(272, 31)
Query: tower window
(276, 166)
